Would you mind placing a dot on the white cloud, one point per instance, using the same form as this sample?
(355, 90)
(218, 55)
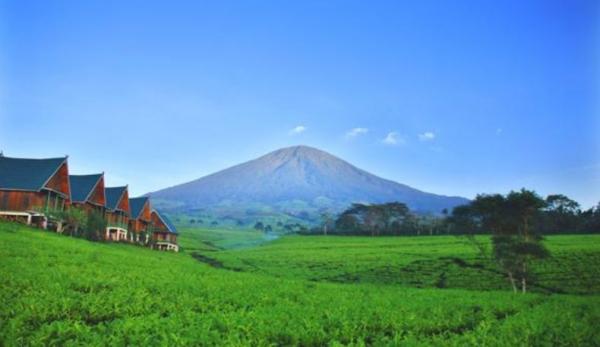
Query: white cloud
(298, 130)
(393, 138)
(356, 131)
(427, 136)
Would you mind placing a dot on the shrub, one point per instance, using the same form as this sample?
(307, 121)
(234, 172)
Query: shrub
(95, 227)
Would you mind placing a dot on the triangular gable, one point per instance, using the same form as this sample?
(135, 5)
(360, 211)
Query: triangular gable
(97, 196)
(59, 181)
(124, 202)
(163, 223)
(140, 208)
(158, 223)
(114, 198)
(146, 212)
(84, 186)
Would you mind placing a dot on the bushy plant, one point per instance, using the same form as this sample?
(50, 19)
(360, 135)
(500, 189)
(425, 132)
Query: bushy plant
(95, 226)
(74, 219)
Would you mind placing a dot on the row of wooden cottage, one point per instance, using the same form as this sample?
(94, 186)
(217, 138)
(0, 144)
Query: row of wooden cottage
(30, 188)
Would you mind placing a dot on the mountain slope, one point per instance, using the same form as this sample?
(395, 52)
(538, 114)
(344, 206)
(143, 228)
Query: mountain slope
(299, 176)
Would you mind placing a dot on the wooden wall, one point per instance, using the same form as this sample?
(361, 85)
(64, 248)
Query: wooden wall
(97, 195)
(124, 203)
(88, 208)
(114, 217)
(163, 236)
(13, 200)
(146, 213)
(137, 225)
(158, 224)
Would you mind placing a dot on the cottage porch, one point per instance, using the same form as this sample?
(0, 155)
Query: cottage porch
(114, 233)
(165, 246)
(27, 217)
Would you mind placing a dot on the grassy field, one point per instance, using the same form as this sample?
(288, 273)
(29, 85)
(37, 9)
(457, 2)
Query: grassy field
(422, 262)
(57, 290)
(192, 239)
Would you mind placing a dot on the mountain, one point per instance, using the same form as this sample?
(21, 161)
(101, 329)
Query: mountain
(297, 181)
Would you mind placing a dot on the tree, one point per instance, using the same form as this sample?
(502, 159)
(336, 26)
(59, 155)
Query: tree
(259, 226)
(561, 214)
(326, 221)
(392, 218)
(462, 220)
(268, 228)
(394, 214)
(74, 219)
(346, 223)
(373, 220)
(95, 226)
(562, 204)
(590, 220)
(509, 219)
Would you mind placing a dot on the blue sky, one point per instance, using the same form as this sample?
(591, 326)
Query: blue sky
(452, 97)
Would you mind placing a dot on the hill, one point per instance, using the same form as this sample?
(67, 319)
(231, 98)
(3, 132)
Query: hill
(298, 181)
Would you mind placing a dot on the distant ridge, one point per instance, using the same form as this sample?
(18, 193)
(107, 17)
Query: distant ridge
(293, 178)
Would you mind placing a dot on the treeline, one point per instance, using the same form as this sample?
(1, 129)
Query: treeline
(555, 214)
(290, 228)
(393, 218)
(516, 222)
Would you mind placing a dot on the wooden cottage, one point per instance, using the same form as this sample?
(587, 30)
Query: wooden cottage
(164, 234)
(140, 219)
(32, 189)
(87, 192)
(117, 213)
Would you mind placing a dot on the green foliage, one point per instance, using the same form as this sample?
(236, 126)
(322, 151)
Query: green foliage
(421, 262)
(589, 220)
(63, 291)
(75, 218)
(95, 227)
(515, 240)
(557, 214)
(204, 239)
(392, 218)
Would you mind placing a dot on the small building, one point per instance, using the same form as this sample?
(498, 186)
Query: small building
(87, 192)
(117, 213)
(140, 219)
(164, 233)
(31, 190)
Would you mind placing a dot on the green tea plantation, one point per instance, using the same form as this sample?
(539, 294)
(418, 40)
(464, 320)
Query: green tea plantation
(309, 291)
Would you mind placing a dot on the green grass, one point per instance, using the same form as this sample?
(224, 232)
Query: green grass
(57, 290)
(207, 239)
(423, 262)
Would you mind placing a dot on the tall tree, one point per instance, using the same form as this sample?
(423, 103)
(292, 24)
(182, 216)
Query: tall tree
(510, 221)
(326, 221)
(561, 214)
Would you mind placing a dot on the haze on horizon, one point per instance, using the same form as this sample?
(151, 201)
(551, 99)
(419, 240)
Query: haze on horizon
(451, 98)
